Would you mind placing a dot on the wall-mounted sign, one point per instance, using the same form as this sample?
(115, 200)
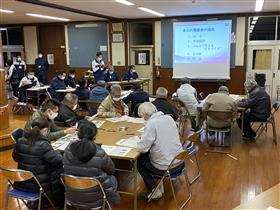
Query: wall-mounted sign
(50, 58)
(117, 37)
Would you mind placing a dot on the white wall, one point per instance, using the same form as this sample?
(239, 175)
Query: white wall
(240, 41)
(30, 44)
(157, 43)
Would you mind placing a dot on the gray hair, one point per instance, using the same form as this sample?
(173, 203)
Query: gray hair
(70, 99)
(115, 88)
(250, 83)
(185, 80)
(147, 108)
(161, 92)
(101, 83)
(223, 89)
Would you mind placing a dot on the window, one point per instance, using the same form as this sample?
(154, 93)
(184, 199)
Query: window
(141, 33)
(278, 28)
(262, 59)
(262, 28)
(12, 36)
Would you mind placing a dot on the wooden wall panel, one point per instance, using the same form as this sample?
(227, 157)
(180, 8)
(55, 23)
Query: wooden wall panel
(235, 84)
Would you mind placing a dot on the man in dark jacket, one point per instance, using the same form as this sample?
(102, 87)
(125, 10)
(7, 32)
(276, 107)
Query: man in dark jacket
(34, 153)
(258, 108)
(111, 75)
(99, 93)
(163, 105)
(84, 158)
(42, 66)
(138, 96)
(58, 83)
(67, 109)
(82, 91)
(131, 74)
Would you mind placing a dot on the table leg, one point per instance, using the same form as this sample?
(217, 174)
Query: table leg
(242, 120)
(135, 184)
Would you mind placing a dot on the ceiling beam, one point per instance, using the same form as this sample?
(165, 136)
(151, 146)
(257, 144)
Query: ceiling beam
(69, 9)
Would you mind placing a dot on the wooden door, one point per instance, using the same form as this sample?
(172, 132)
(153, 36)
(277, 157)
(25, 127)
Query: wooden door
(52, 42)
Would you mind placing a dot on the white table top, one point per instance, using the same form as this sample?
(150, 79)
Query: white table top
(67, 90)
(38, 88)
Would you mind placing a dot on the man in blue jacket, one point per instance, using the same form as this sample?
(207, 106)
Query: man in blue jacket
(58, 83)
(98, 94)
(42, 66)
(131, 74)
(111, 75)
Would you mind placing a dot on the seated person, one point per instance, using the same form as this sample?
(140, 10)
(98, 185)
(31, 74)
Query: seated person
(137, 97)
(67, 109)
(34, 153)
(28, 81)
(111, 75)
(82, 91)
(258, 108)
(163, 105)
(99, 92)
(49, 111)
(85, 158)
(187, 94)
(113, 106)
(57, 83)
(159, 144)
(131, 74)
(220, 101)
(70, 80)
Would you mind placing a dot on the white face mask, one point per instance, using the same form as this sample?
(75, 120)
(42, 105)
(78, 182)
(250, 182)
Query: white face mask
(19, 59)
(75, 107)
(99, 59)
(30, 76)
(53, 115)
(116, 99)
(72, 75)
(40, 56)
(133, 70)
(62, 78)
(111, 72)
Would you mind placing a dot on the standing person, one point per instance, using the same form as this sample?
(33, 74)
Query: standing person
(131, 74)
(98, 67)
(85, 158)
(258, 108)
(42, 67)
(34, 153)
(12, 77)
(70, 80)
(20, 65)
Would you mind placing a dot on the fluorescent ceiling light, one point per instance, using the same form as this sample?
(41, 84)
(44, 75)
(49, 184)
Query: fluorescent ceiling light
(128, 3)
(47, 17)
(6, 11)
(3, 29)
(259, 5)
(151, 11)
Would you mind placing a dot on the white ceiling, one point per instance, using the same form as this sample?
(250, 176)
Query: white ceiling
(114, 9)
(21, 8)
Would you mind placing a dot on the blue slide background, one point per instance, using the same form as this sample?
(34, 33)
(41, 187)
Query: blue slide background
(197, 42)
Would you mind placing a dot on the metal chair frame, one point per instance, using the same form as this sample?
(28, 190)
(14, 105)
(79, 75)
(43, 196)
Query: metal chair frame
(17, 175)
(83, 183)
(182, 156)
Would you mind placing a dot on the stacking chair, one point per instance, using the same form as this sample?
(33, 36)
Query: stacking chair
(223, 116)
(16, 175)
(270, 120)
(192, 152)
(16, 134)
(172, 177)
(92, 107)
(83, 183)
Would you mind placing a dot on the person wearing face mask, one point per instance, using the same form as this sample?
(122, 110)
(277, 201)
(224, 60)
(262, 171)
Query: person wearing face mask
(112, 105)
(58, 83)
(12, 77)
(70, 80)
(20, 66)
(42, 66)
(98, 67)
(34, 152)
(26, 82)
(131, 74)
(111, 75)
(49, 110)
(159, 144)
(67, 109)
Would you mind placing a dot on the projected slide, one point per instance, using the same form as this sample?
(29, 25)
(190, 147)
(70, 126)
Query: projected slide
(202, 46)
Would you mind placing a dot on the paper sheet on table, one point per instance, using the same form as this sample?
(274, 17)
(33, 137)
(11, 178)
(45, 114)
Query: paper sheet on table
(126, 118)
(235, 97)
(98, 123)
(129, 142)
(63, 142)
(141, 130)
(116, 119)
(271, 208)
(116, 150)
